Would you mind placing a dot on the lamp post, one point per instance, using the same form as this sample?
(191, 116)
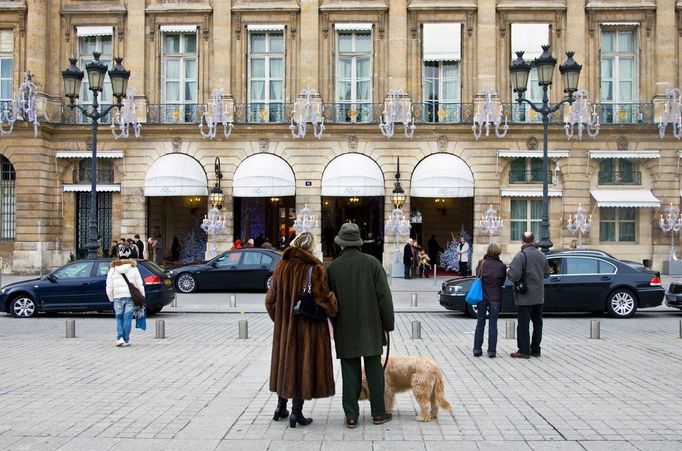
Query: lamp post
(398, 225)
(73, 77)
(570, 72)
(213, 223)
(490, 223)
(672, 223)
(580, 224)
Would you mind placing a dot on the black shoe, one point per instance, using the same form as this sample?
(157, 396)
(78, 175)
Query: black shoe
(350, 424)
(381, 419)
(478, 353)
(491, 355)
(518, 355)
(535, 353)
(298, 418)
(281, 410)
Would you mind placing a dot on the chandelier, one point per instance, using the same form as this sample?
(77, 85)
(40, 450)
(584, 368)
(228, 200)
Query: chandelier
(672, 114)
(580, 224)
(581, 115)
(672, 223)
(218, 112)
(125, 118)
(22, 107)
(490, 223)
(213, 224)
(308, 108)
(397, 108)
(305, 222)
(491, 115)
(397, 226)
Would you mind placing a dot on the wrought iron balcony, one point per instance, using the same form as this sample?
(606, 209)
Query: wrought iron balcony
(75, 116)
(84, 176)
(626, 113)
(619, 178)
(532, 176)
(169, 113)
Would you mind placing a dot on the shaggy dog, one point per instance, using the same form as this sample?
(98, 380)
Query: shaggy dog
(419, 374)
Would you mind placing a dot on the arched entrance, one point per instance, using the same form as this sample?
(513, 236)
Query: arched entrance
(264, 190)
(353, 191)
(442, 200)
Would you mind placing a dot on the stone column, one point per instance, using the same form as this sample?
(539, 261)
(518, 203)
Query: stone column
(666, 51)
(222, 37)
(308, 71)
(132, 47)
(576, 40)
(36, 35)
(397, 46)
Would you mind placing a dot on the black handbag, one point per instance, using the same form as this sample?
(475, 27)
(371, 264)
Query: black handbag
(520, 286)
(305, 304)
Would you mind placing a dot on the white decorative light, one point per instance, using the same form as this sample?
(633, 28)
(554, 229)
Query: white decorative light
(583, 113)
(219, 112)
(305, 222)
(491, 114)
(579, 224)
(397, 108)
(22, 107)
(213, 224)
(398, 226)
(671, 223)
(490, 223)
(125, 118)
(672, 113)
(307, 110)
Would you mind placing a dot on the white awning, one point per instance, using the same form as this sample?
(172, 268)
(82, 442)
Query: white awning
(632, 154)
(442, 41)
(353, 174)
(265, 27)
(625, 198)
(178, 28)
(263, 175)
(533, 153)
(85, 187)
(353, 26)
(105, 30)
(442, 175)
(176, 174)
(529, 37)
(88, 154)
(511, 192)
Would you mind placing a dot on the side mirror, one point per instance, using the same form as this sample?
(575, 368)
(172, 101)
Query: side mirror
(51, 278)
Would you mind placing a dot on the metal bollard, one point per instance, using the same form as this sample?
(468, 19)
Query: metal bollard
(70, 328)
(413, 300)
(435, 273)
(681, 328)
(416, 330)
(243, 329)
(511, 329)
(160, 329)
(595, 331)
(233, 300)
(175, 302)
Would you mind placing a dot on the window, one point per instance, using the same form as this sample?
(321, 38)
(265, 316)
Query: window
(104, 215)
(86, 46)
(6, 65)
(617, 224)
(575, 265)
(103, 268)
(230, 259)
(266, 76)
(74, 271)
(525, 170)
(180, 76)
(252, 258)
(105, 171)
(525, 216)
(619, 67)
(529, 38)
(619, 171)
(354, 76)
(441, 72)
(8, 201)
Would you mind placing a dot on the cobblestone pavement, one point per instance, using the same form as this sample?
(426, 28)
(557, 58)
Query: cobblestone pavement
(202, 388)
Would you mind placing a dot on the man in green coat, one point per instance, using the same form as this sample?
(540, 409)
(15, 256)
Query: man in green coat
(365, 312)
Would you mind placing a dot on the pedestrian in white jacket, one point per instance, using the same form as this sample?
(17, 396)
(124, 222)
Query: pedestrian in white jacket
(119, 293)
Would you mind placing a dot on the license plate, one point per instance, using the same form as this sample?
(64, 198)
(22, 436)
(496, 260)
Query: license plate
(168, 282)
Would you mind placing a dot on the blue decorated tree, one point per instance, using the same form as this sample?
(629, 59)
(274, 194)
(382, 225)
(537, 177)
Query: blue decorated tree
(449, 258)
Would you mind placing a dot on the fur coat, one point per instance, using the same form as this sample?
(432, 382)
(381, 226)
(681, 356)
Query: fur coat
(301, 365)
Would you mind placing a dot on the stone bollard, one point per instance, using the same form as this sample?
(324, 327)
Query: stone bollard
(511, 329)
(595, 331)
(416, 330)
(70, 328)
(681, 328)
(243, 329)
(175, 301)
(160, 329)
(233, 301)
(413, 300)
(435, 273)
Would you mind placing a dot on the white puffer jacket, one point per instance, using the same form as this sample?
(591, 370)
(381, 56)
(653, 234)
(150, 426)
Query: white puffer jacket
(116, 285)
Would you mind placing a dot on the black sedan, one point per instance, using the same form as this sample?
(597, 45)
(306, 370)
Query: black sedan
(583, 282)
(673, 297)
(81, 286)
(238, 269)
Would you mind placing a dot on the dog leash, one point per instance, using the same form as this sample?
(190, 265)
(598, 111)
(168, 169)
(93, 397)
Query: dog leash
(388, 347)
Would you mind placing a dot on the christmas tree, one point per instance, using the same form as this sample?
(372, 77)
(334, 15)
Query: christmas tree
(193, 245)
(449, 258)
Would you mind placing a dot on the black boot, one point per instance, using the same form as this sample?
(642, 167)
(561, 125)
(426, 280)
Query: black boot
(297, 414)
(281, 410)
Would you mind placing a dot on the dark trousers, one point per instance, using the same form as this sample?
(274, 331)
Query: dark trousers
(463, 268)
(351, 372)
(408, 270)
(529, 313)
(483, 308)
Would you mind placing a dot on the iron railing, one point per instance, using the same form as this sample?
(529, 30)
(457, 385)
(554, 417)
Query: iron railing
(619, 178)
(532, 176)
(85, 175)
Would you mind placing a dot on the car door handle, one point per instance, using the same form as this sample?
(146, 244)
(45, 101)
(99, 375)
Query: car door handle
(606, 278)
(555, 279)
(233, 267)
(263, 267)
(85, 283)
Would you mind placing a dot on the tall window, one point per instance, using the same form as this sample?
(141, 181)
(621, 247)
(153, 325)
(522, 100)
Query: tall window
(105, 171)
(617, 224)
(619, 74)
(354, 76)
(104, 215)
(526, 215)
(8, 200)
(441, 72)
(530, 38)
(6, 65)
(525, 170)
(180, 75)
(266, 76)
(619, 171)
(86, 46)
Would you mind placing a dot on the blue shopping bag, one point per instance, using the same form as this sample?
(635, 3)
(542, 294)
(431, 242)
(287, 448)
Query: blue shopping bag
(475, 294)
(140, 318)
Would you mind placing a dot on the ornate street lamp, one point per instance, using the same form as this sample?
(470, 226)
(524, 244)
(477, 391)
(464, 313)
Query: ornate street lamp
(672, 223)
(73, 77)
(579, 224)
(216, 197)
(398, 196)
(490, 224)
(397, 109)
(570, 73)
(397, 224)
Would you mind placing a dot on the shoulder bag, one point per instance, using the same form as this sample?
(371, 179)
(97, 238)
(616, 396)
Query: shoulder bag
(305, 304)
(135, 293)
(520, 286)
(475, 294)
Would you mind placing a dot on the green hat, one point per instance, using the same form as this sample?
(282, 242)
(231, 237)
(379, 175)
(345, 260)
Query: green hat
(349, 236)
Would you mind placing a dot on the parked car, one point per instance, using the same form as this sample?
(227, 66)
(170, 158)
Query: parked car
(81, 286)
(583, 282)
(238, 269)
(673, 297)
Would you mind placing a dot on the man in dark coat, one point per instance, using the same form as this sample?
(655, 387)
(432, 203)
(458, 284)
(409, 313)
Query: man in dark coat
(140, 245)
(365, 314)
(408, 258)
(529, 304)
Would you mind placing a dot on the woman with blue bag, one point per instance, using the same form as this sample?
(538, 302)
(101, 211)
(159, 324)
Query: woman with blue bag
(492, 274)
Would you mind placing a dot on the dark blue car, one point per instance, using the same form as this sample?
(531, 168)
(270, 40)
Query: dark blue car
(81, 286)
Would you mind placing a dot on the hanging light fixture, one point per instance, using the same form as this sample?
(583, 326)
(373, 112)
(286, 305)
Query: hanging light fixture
(216, 197)
(307, 108)
(218, 112)
(398, 196)
(22, 107)
(125, 118)
(489, 114)
(583, 114)
(397, 109)
(672, 113)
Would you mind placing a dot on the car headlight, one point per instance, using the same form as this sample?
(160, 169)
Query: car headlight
(2, 291)
(454, 288)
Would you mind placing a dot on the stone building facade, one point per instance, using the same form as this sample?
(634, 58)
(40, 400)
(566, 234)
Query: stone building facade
(445, 55)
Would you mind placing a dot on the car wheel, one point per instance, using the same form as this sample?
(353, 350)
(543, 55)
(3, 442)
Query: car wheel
(472, 310)
(186, 283)
(621, 304)
(268, 282)
(23, 307)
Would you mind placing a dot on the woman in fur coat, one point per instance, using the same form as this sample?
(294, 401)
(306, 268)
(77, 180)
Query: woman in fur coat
(301, 366)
